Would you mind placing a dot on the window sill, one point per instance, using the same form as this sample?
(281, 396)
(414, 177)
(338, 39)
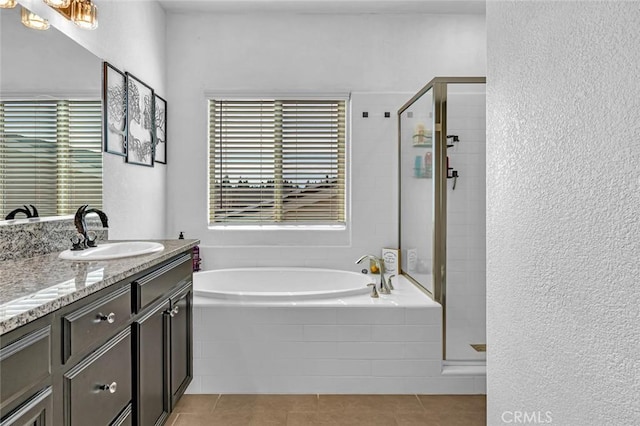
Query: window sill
(278, 235)
(340, 227)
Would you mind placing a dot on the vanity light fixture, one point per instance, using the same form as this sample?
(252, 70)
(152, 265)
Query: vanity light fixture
(33, 21)
(58, 3)
(7, 4)
(83, 13)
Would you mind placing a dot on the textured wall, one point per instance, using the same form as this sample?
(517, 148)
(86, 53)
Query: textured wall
(563, 234)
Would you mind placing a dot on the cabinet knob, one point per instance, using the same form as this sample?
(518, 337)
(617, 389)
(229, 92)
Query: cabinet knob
(172, 312)
(110, 388)
(111, 318)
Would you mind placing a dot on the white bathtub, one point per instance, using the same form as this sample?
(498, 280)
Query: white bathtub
(303, 330)
(279, 284)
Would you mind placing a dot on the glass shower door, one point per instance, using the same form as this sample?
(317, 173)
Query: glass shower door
(416, 189)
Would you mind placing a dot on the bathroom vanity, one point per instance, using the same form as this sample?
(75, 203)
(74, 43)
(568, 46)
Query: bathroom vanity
(101, 343)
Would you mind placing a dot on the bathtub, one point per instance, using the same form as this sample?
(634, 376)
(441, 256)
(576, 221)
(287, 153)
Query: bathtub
(278, 284)
(306, 330)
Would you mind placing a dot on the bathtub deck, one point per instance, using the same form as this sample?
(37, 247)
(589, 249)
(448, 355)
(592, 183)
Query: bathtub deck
(353, 345)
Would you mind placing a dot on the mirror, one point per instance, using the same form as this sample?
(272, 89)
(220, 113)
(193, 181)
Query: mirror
(48, 67)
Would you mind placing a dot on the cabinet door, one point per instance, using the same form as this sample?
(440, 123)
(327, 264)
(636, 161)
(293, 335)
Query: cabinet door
(34, 412)
(99, 386)
(181, 343)
(151, 352)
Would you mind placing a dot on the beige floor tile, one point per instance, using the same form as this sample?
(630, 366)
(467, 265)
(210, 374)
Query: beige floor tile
(475, 403)
(171, 420)
(257, 403)
(196, 404)
(233, 418)
(302, 418)
(335, 418)
(369, 403)
(417, 419)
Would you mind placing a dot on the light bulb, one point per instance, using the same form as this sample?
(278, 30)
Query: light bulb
(84, 14)
(33, 21)
(58, 3)
(7, 4)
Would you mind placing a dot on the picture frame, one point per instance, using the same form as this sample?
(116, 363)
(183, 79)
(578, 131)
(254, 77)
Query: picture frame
(160, 135)
(114, 109)
(140, 122)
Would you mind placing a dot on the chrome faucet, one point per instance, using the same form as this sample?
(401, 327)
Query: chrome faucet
(81, 226)
(384, 287)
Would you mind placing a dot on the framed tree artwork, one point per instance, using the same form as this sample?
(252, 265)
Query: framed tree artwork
(140, 122)
(114, 101)
(160, 146)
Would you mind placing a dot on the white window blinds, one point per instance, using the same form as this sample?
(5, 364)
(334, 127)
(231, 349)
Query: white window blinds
(277, 161)
(50, 155)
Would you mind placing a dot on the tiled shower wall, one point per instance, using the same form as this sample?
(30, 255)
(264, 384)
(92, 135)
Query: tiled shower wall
(466, 230)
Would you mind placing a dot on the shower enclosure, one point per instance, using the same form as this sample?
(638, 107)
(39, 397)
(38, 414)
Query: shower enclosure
(442, 207)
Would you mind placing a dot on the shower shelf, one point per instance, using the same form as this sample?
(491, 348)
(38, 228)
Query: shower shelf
(422, 145)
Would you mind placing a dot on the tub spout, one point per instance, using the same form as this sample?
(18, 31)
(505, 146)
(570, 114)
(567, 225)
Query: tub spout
(384, 287)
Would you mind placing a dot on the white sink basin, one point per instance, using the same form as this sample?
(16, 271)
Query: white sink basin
(113, 251)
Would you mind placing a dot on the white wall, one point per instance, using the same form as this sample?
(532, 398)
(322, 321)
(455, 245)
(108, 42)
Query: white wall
(563, 150)
(38, 65)
(130, 36)
(382, 59)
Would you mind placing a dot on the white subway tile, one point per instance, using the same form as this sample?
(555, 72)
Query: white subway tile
(369, 350)
(406, 333)
(480, 385)
(354, 333)
(337, 367)
(194, 387)
(197, 348)
(408, 368)
(278, 332)
(350, 315)
(422, 350)
(440, 385)
(320, 333)
(308, 350)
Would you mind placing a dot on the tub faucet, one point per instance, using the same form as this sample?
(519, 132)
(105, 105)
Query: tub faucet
(81, 225)
(384, 287)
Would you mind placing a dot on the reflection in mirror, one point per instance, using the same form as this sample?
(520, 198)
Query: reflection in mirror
(50, 121)
(416, 189)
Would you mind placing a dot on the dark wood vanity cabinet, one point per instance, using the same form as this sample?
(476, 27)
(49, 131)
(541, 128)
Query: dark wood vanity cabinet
(163, 340)
(121, 356)
(25, 375)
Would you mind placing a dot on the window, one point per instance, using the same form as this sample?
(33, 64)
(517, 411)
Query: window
(50, 155)
(277, 161)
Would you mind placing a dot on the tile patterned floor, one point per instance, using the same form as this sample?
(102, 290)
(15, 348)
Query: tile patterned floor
(311, 410)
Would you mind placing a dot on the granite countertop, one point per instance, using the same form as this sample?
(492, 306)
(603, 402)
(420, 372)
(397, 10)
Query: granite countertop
(33, 287)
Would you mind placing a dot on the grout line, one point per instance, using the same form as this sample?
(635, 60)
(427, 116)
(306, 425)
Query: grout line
(175, 419)
(215, 404)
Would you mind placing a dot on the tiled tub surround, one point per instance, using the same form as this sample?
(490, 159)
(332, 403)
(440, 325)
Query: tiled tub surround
(22, 238)
(33, 287)
(351, 345)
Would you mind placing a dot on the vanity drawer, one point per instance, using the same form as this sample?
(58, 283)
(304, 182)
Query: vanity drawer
(125, 418)
(24, 363)
(99, 387)
(162, 280)
(95, 322)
